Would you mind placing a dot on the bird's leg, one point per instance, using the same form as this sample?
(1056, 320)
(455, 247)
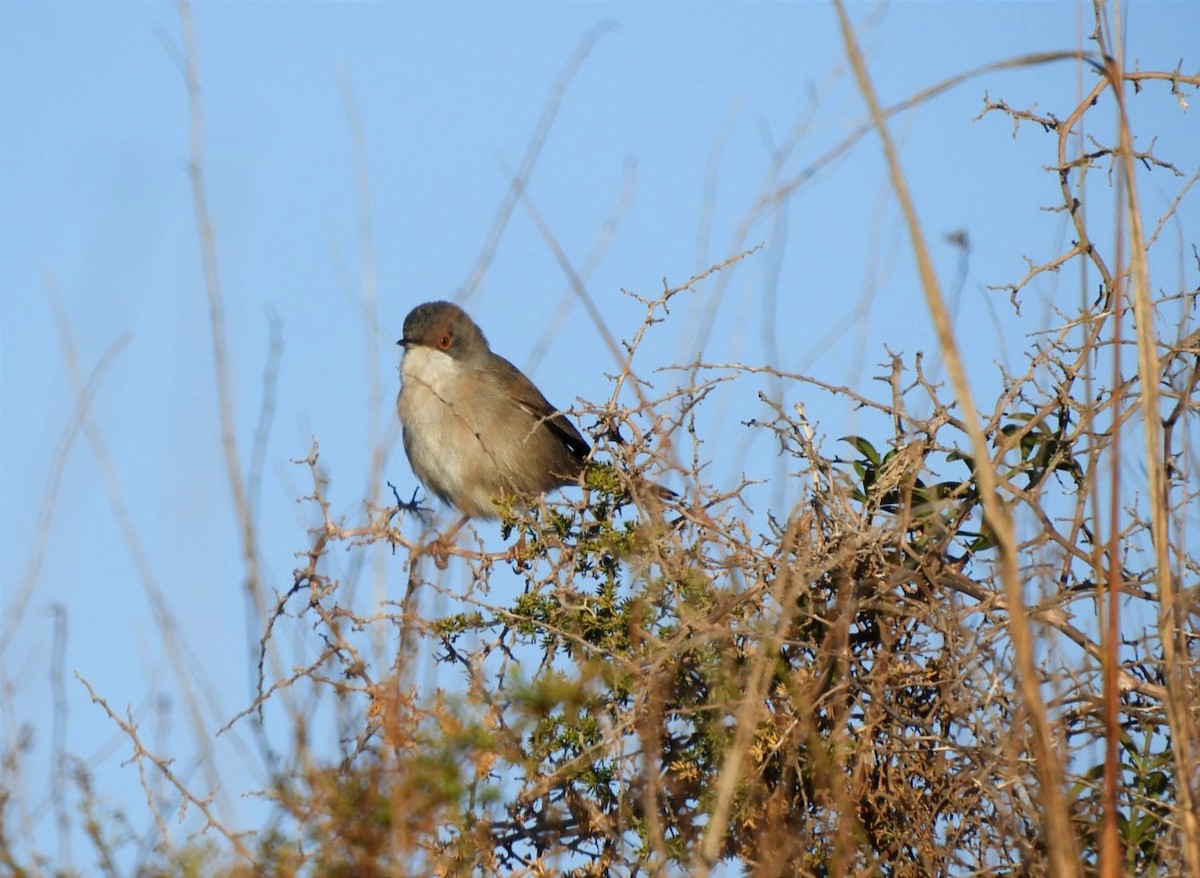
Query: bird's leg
(439, 548)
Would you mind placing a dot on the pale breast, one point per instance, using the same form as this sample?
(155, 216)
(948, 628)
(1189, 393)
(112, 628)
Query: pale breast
(442, 430)
(476, 435)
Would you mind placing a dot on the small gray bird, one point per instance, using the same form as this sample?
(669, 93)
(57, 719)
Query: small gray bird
(476, 430)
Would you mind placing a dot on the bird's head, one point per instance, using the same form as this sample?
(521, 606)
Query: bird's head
(445, 327)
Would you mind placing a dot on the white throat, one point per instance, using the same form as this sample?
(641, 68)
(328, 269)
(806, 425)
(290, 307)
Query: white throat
(433, 370)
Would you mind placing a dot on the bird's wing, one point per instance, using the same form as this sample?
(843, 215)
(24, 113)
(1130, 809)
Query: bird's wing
(526, 395)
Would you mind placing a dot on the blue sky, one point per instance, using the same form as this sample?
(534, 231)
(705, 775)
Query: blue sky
(676, 113)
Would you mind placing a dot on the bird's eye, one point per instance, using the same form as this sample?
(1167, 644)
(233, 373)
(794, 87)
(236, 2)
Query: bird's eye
(444, 340)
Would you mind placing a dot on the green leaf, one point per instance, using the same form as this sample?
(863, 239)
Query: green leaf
(863, 447)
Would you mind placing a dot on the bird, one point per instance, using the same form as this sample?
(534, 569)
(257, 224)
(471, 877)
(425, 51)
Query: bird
(476, 430)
